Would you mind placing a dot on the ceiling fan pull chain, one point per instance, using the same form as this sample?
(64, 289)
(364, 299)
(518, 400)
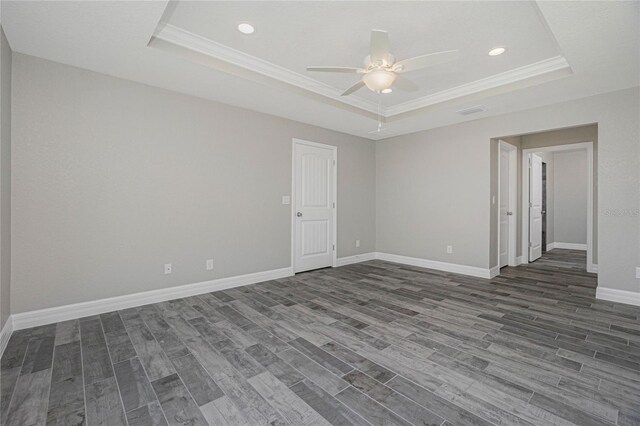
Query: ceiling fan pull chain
(379, 112)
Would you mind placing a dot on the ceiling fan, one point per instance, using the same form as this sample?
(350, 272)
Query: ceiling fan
(381, 71)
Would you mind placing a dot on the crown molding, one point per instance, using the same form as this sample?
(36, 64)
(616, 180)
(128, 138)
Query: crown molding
(516, 77)
(180, 37)
(557, 63)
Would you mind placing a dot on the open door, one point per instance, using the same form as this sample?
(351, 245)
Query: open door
(505, 213)
(535, 207)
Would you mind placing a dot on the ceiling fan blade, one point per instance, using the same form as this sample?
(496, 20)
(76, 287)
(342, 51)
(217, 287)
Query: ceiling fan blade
(405, 84)
(353, 88)
(335, 69)
(379, 48)
(425, 61)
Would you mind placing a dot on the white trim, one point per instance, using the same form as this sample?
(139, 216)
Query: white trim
(5, 334)
(518, 260)
(188, 40)
(526, 72)
(594, 268)
(551, 246)
(423, 263)
(79, 310)
(620, 296)
(570, 246)
(333, 148)
(473, 271)
(513, 202)
(494, 272)
(348, 260)
(525, 196)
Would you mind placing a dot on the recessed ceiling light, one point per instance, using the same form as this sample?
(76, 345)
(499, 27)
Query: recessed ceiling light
(245, 28)
(389, 90)
(497, 51)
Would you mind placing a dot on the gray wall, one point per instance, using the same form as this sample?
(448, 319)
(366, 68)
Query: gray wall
(112, 179)
(570, 196)
(431, 191)
(434, 187)
(5, 178)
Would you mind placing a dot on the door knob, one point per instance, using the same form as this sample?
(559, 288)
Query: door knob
(543, 212)
(509, 213)
(299, 214)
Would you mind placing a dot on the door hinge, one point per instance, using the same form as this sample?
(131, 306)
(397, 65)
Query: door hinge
(530, 244)
(530, 205)
(334, 204)
(334, 162)
(334, 247)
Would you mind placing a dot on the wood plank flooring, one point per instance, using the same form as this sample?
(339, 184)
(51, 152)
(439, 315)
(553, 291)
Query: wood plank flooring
(371, 343)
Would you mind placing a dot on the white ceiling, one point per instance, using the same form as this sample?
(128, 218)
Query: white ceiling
(296, 35)
(557, 51)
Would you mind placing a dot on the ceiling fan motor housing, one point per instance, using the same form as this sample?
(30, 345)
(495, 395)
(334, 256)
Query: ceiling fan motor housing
(385, 63)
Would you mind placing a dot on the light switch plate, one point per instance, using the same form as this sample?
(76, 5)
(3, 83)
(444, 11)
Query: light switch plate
(638, 272)
(209, 264)
(286, 199)
(167, 268)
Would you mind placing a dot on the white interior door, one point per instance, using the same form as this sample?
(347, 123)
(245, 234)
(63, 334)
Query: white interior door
(504, 208)
(535, 207)
(314, 206)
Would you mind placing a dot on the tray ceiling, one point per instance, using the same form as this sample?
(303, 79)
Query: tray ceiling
(555, 51)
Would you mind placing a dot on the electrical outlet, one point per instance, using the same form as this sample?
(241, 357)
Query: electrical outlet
(357, 243)
(449, 249)
(167, 268)
(209, 264)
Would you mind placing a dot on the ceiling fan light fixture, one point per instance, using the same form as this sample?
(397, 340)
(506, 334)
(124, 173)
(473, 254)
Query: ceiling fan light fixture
(378, 80)
(246, 28)
(497, 51)
(388, 90)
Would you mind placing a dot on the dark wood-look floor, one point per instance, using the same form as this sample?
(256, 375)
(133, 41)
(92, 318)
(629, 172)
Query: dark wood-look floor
(375, 342)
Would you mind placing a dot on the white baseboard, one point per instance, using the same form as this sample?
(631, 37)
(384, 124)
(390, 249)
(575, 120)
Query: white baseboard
(594, 268)
(79, 310)
(551, 246)
(494, 272)
(5, 334)
(348, 260)
(473, 271)
(570, 246)
(620, 296)
(518, 260)
(424, 263)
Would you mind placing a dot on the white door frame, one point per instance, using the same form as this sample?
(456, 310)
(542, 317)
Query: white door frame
(513, 200)
(525, 196)
(334, 149)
